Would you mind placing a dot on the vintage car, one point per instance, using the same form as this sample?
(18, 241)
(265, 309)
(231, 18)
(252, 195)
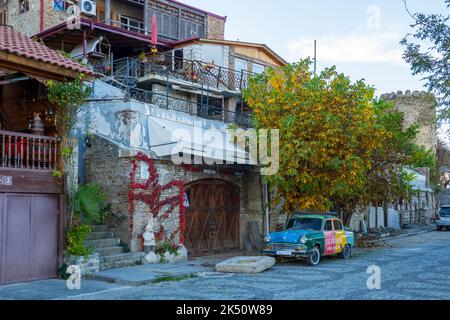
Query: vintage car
(311, 236)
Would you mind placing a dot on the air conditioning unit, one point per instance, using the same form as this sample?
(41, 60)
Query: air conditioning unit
(89, 7)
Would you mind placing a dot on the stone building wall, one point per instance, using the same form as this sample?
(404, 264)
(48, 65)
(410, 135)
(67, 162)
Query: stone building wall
(216, 27)
(28, 22)
(418, 107)
(110, 166)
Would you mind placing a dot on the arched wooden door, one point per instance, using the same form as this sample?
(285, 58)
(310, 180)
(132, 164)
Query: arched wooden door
(212, 217)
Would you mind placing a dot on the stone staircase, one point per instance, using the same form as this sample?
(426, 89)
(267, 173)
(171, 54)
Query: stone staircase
(112, 254)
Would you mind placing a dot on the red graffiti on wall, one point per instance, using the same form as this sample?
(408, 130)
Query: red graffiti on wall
(151, 192)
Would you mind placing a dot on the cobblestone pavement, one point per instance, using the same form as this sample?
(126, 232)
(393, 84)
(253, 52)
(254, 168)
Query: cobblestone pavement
(415, 267)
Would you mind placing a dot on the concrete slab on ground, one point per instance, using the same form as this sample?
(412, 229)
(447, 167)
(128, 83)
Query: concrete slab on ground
(147, 274)
(52, 289)
(252, 265)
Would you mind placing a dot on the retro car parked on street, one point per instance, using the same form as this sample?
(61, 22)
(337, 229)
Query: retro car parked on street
(443, 218)
(311, 236)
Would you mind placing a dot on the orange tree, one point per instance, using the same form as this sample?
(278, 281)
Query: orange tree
(328, 133)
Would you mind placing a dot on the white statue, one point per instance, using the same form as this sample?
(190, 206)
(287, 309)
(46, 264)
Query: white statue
(149, 237)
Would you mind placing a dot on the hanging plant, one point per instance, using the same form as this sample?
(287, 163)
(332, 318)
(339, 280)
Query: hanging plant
(68, 97)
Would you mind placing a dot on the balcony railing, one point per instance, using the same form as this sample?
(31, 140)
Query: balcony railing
(28, 152)
(170, 67)
(191, 107)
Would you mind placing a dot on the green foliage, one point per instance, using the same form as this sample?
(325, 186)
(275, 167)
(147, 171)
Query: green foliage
(90, 202)
(162, 248)
(68, 97)
(75, 241)
(428, 51)
(339, 145)
(56, 174)
(62, 272)
(327, 132)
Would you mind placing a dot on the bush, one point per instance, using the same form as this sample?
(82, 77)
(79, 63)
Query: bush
(90, 202)
(75, 241)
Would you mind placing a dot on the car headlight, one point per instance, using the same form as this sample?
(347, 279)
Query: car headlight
(304, 239)
(266, 239)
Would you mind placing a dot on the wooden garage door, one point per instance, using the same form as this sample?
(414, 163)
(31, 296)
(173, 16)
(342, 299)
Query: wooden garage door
(212, 217)
(28, 237)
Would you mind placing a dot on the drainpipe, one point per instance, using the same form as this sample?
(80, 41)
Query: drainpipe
(41, 18)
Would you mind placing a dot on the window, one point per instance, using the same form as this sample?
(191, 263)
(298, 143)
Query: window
(258, 68)
(3, 17)
(240, 64)
(305, 224)
(328, 225)
(337, 225)
(23, 6)
(131, 24)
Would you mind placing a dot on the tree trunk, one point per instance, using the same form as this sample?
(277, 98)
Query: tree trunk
(347, 217)
(386, 214)
(376, 216)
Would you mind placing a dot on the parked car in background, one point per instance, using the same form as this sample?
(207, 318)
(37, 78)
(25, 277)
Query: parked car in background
(310, 237)
(443, 218)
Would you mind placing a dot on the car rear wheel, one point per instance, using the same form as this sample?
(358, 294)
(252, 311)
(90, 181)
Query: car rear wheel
(346, 252)
(439, 228)
(314, 258)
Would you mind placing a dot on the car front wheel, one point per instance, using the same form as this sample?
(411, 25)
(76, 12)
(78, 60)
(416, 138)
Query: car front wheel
(314, 258)
(346, 252)
(439, 228)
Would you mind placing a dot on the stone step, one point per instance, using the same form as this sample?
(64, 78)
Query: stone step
(100, 235)
(123, 256)
(100, 228)
(121, 261)
(101, 243)
(109, 251)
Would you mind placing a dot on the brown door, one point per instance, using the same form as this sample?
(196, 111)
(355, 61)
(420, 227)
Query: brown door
(212, 217)
(28, 237)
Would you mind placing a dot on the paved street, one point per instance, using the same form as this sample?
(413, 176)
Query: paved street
(415, 267)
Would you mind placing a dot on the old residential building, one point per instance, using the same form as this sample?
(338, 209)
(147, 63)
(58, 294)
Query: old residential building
(192, 83)
(33, 215)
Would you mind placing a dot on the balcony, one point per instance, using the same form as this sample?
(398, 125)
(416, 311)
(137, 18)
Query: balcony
(28, 152)
(193, 108)
(166, 66)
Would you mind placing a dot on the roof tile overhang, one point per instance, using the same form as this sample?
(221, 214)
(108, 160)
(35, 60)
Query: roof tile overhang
(22, 54)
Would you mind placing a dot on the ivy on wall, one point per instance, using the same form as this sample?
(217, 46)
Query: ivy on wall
(150, 192)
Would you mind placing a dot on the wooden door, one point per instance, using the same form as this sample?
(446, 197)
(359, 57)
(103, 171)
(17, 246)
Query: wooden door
(212, 217)
(28, 237)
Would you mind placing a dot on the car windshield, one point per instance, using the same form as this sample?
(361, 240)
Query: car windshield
(445, 212)
(314, 224)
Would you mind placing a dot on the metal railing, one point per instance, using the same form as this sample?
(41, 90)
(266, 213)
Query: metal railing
(170, 66)
(27, 151)
(166, 101)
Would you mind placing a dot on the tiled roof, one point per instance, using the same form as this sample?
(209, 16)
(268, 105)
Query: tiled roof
(16, 43)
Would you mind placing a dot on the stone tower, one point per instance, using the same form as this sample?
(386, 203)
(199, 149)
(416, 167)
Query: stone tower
(418, 107)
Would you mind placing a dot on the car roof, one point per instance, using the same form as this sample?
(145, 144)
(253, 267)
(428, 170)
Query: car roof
(315, 215)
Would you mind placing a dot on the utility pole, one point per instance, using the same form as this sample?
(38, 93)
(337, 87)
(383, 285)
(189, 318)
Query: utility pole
(315, 57)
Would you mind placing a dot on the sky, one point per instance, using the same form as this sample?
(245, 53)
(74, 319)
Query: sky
(360, 37)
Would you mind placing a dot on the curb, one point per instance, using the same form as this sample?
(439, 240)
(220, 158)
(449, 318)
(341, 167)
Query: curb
(402, 236)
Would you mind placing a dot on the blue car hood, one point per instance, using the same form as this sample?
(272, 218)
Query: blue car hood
(289, 236)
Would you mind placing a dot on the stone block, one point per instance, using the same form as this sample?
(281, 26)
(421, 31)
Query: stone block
(250, 265)
(88, 266)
